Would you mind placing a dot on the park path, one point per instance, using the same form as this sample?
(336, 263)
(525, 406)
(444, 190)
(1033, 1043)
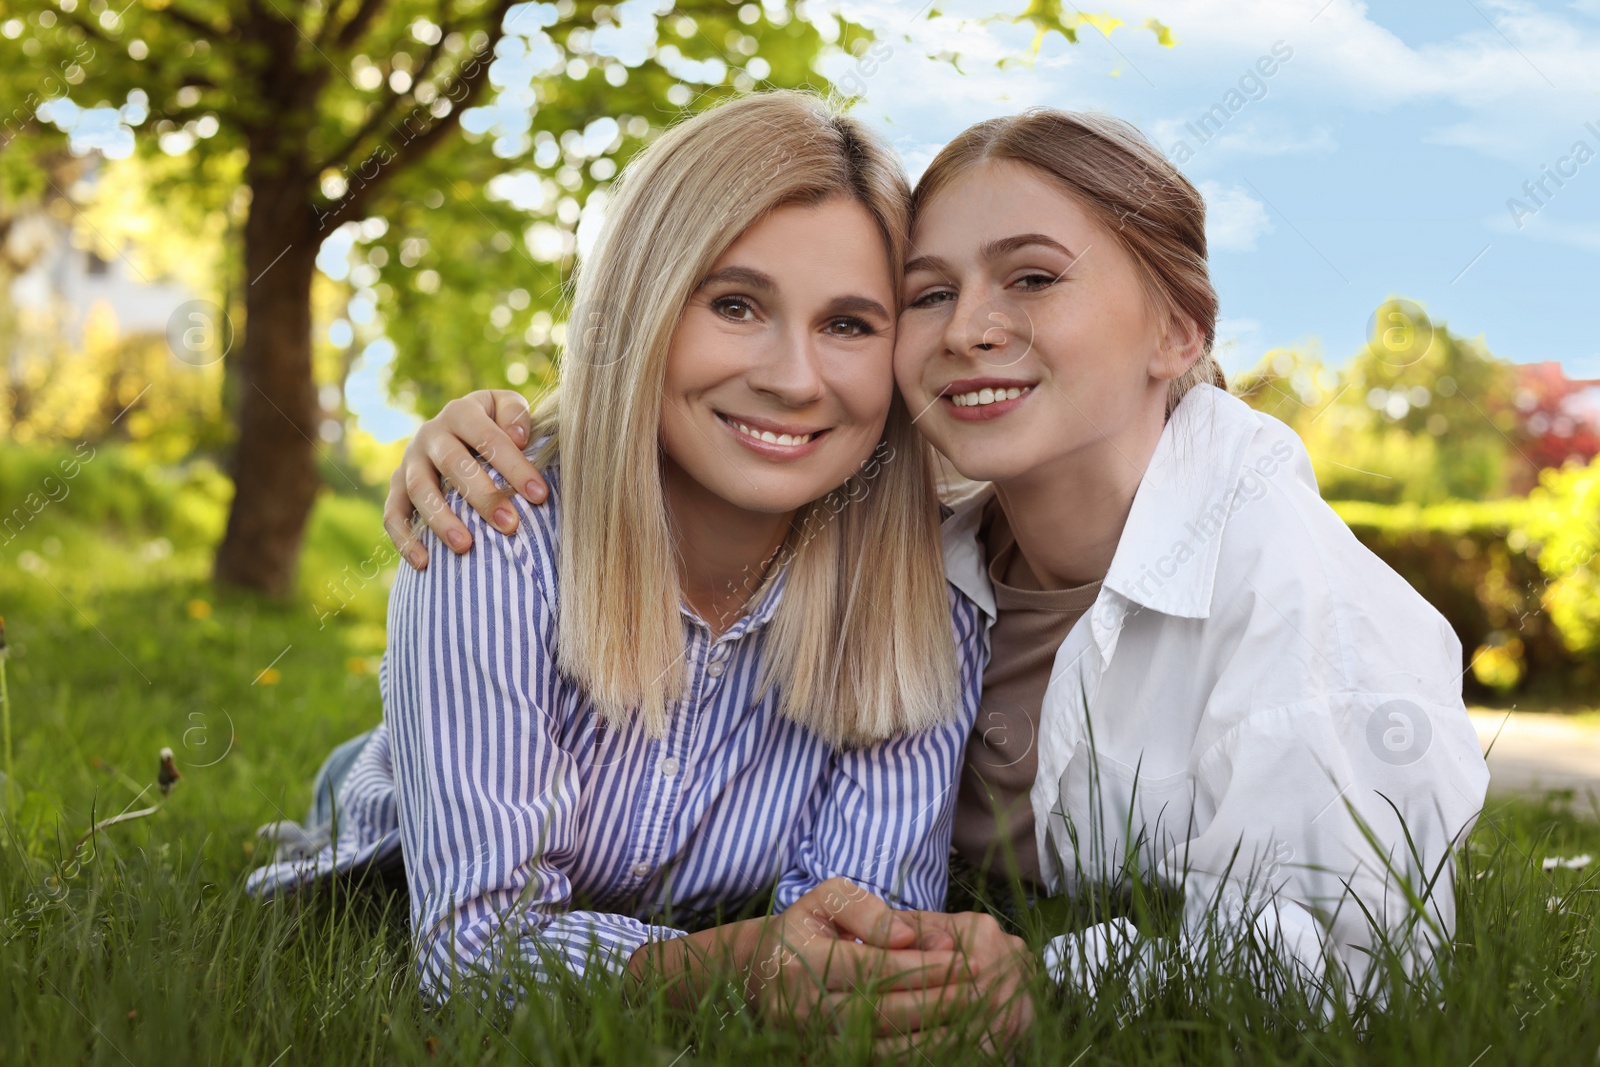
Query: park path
(1536, 752)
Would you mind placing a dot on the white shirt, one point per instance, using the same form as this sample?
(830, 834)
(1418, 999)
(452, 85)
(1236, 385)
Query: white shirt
(1256, 683)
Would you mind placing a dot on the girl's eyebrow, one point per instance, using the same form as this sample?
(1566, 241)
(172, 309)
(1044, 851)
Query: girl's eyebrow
(1001, 245)
(746, 276)
(992, 250)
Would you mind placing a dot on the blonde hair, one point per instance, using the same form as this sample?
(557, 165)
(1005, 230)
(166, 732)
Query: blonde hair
(861, 646)
(1125, 182)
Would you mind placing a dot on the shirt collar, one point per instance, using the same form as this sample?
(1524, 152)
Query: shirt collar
(963, 553)
(765, 606)
(1166, 559)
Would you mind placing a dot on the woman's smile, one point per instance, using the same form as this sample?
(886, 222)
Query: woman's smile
(773, 440)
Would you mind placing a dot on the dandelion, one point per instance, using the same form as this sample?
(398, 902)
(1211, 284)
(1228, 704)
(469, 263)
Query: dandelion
(199, 609)
(168, 776)
(270, 676)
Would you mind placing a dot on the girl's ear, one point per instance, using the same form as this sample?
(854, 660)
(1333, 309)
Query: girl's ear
(1181, 344)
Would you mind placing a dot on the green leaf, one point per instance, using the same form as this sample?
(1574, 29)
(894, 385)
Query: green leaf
(1047, 17)
(1164, 35)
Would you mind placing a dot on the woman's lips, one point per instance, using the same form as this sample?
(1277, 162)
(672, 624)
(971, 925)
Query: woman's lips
(772, 440)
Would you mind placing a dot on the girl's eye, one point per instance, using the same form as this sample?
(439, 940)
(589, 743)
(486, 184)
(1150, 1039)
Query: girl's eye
(1034, 281)
(937, 296)
(736, 308)
(850, 327)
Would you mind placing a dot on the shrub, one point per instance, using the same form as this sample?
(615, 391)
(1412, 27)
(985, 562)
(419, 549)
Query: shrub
(1516, 579)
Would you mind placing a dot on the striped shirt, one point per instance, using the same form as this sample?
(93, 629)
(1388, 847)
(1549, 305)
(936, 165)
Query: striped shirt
(528, 827)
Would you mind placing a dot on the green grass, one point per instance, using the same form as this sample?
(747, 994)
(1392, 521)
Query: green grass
(147, 952)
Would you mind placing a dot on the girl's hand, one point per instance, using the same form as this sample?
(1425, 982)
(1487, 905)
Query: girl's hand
(987, 996)
(493, 423)
(839, 948)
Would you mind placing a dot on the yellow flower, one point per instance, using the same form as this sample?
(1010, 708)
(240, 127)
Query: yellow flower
(269, 676)
(357, 665)
(199, 609)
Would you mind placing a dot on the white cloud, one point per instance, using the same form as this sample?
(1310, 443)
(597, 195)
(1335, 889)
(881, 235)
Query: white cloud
(1239, 345)
(1523, 75)
(1252, 140)
(1248, 137)
(1548, 228)
(915, 155)
(1234, 218)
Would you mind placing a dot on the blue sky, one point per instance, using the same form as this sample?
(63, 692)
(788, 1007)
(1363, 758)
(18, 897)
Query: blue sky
(1447, 151)
(1377, 160)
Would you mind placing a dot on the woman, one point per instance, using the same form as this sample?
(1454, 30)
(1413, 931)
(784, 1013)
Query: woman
(673, 685)
(1195, 670)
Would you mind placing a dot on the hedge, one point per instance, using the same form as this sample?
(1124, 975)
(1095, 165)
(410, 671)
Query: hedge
(1517, 579)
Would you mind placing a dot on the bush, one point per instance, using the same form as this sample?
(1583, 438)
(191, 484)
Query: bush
(1516, 579)
(111, 485)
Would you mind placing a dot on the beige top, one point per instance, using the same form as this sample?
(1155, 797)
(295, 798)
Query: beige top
(994, 817)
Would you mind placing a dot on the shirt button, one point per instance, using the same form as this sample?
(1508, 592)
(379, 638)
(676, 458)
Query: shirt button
(641, 869)
(715, 669)
(669, 766)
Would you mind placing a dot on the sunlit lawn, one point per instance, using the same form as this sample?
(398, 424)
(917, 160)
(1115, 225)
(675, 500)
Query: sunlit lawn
(146, 952)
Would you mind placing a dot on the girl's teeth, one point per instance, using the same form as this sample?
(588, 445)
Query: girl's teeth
(981, 397)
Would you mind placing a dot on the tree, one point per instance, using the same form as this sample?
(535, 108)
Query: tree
(293, 120)
(337, 111)
(1554, 428)
(1418, 415)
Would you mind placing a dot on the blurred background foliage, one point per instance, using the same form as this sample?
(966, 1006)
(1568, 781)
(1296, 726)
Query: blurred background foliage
(133, 151)
(1475, 478)
(1438, 458)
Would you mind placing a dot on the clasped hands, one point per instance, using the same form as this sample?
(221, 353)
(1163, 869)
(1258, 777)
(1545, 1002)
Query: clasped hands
(927, 977)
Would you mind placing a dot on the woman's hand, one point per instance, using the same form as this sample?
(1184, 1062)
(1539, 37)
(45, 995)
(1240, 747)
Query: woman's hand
(838, 949)
(493, 423)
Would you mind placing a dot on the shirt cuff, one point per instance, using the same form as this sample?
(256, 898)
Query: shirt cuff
(1080, 960)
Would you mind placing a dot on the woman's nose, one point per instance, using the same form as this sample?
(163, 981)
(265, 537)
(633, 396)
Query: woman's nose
(791, 371)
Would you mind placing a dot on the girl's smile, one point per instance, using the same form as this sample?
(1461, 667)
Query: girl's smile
(978, 399)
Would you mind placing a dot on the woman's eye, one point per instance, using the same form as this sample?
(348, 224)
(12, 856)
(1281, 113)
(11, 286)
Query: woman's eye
(848, 327)
(929, 299)
(736, 308)
(1037, 280)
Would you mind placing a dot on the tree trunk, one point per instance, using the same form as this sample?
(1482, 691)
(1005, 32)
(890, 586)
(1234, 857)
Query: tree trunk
(274, 470)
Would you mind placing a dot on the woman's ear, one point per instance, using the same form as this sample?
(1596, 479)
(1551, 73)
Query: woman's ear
(1181, 344)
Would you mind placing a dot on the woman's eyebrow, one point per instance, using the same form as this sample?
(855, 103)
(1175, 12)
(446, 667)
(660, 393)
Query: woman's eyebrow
(857, 305)
(746, 276)
(929, 263)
